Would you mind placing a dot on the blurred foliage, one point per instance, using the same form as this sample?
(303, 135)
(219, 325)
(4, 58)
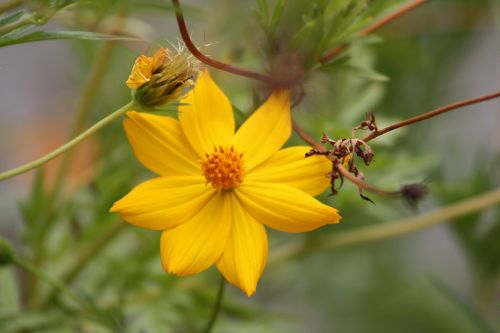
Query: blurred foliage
(114, 269)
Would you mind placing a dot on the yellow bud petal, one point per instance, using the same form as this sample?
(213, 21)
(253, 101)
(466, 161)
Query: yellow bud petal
(141, 72)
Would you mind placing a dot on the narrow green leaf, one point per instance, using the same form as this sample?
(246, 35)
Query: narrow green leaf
(335, 64)
(366, 73)
(33, 207)
(78, 35)
(277, 12)
(263, 10)
(11, 18)
(9, 297)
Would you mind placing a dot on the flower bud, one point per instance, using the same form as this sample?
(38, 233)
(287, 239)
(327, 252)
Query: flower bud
(162, 78)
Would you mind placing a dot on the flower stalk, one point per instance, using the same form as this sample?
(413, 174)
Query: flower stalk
(68, 145)
(217, 306)
(430, 114)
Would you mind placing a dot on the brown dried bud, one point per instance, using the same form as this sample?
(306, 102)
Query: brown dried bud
(413, 193)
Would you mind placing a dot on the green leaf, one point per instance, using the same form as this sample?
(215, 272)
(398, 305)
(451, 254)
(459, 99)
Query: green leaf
(11, 18)
(34, 206)
(365, 73)
(263, 10)
(334, 65)
(277, 12)
(43, 35)
(9, 297)
(239, 115)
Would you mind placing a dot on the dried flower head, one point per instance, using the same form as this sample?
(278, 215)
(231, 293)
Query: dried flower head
(162, 78)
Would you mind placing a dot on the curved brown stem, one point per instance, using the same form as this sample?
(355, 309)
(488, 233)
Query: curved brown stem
(377, 25)
(364, 185)
(207, 60)
(306, 136)
(431, 114)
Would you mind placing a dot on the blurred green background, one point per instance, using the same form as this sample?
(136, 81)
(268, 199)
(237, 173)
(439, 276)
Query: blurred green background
(444, 279)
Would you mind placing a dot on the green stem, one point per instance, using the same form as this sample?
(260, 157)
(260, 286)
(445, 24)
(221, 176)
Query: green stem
(68, 145)
(393, 229)
(217, 306)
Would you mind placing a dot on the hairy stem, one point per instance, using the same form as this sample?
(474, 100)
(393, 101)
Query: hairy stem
(377, 25)
(68, 145)
(393, 229)
(431, 114)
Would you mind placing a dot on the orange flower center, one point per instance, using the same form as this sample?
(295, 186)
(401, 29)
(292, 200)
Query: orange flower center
(223, 168)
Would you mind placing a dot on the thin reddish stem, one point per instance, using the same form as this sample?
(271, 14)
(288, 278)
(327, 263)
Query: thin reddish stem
(207, 60)
(306, 136)
(364, 185)
(431, 114)
(377, 25)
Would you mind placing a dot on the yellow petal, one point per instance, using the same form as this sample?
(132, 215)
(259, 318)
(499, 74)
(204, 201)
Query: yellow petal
(245, 255)
(165, 202)
(141, 72)
(160, 145)
(284, 208)
(290, 167)
(266, 130)
(198, 243)
(207, 118)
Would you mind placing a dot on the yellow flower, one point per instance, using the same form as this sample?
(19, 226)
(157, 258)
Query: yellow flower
(217, 189)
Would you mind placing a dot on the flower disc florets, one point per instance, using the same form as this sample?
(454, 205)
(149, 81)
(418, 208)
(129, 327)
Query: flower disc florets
(223, 168)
